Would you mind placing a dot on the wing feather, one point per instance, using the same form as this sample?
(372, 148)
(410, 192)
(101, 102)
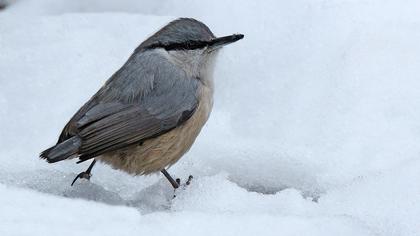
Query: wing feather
(148, 96)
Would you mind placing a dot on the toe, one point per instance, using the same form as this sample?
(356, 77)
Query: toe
(189, 180)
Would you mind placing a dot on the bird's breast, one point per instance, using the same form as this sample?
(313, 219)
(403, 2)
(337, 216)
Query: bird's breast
(157, 153)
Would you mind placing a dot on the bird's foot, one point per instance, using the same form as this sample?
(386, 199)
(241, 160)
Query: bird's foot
(178, 181)
(188, 182)
(83, 175)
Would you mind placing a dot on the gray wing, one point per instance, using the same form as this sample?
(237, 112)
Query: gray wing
(148, 96)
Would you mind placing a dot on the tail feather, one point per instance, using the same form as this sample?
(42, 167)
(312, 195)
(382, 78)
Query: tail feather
(62, 151)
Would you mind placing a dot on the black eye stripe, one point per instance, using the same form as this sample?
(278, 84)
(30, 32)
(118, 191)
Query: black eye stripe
(187, 45)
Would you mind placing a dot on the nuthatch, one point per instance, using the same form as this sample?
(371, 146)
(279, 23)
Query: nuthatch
(149, 113)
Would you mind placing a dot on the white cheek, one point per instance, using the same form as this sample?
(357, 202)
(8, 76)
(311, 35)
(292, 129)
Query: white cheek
(207, 71)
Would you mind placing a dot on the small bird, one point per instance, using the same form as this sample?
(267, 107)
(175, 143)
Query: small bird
(149, 113)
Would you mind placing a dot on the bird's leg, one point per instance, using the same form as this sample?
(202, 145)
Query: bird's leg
(176, 183)
(86, 174)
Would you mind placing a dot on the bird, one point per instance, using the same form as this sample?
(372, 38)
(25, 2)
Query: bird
(148, 114)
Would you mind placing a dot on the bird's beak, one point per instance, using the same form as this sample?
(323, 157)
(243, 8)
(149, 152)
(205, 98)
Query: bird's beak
(222, 41)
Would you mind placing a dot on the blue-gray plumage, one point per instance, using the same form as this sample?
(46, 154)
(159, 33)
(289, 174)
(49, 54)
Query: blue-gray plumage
(148, 114)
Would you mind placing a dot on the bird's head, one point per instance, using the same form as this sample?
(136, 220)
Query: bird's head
(189, 43)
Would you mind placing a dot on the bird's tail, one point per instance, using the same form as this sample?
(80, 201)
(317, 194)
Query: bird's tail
(62, 151)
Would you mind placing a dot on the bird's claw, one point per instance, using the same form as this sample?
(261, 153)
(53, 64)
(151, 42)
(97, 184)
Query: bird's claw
(188, 182)
(82, 175)
(178, 181)
(190, 178)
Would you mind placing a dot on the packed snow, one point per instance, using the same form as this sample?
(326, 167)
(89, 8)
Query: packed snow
(315, 128)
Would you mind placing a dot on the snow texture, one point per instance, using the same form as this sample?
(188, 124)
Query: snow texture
(315, 129)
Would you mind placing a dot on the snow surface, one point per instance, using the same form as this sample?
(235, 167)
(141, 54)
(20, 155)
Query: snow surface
(315, 129)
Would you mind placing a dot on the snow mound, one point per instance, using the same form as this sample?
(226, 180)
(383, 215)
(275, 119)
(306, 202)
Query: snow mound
(314, 131)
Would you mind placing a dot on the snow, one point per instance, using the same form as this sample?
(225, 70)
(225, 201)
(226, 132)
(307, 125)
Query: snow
(315, 129)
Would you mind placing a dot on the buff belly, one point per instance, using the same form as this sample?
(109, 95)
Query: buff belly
(155, 154)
